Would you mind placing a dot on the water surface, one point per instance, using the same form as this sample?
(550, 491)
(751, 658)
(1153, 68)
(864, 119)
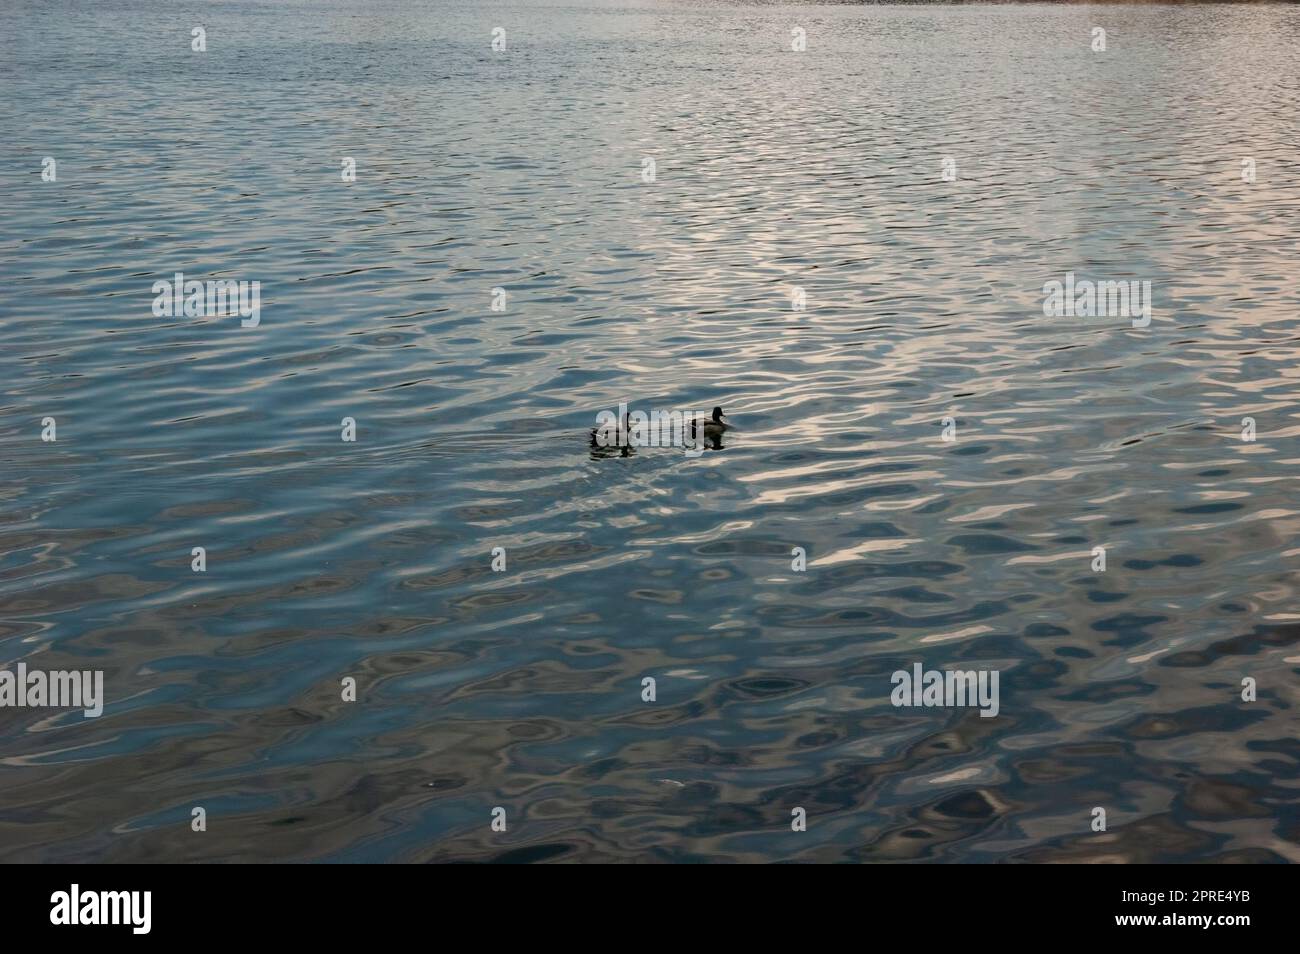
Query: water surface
(775, 170)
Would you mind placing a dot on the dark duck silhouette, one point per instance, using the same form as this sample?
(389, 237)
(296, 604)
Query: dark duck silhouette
(711, 427)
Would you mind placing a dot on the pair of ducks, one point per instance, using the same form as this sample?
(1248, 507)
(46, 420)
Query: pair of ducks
(711, 427)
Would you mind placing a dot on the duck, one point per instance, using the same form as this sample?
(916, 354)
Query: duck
(600, 436)
(712, 427)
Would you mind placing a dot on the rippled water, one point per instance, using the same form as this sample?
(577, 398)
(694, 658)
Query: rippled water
(775, 170)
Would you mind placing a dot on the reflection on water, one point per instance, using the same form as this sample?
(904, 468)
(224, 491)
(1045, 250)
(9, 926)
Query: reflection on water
(775, 171)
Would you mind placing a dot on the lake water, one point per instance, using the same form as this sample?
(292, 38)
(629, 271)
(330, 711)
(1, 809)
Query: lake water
(919, 172)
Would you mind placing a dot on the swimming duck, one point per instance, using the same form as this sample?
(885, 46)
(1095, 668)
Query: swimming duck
(712, 427)
(607, 435)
